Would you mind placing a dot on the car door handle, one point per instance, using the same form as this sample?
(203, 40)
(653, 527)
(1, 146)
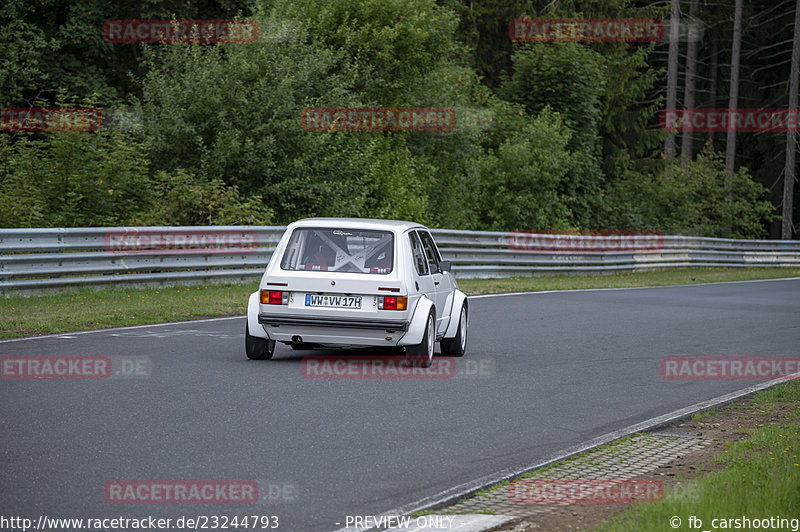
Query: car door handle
(436, 283)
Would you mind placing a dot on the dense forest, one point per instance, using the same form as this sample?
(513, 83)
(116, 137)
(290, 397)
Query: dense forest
(547, 136)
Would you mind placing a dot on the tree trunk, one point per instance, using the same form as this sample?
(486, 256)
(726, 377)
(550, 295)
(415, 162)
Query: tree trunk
(712, 85)
(787, 226)
(733, 102)
(689, 84)
(672, 71)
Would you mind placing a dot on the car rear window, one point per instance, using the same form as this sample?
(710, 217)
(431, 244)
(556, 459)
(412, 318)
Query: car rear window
(339, 250)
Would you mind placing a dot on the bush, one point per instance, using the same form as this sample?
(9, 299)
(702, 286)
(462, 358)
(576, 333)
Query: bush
(101, 178)
(187, 200)
(522, 179)
(692, 199)
(73, 179)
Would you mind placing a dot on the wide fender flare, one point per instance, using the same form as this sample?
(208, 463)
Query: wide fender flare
(416, 329)
(252, 317)
(459, 300)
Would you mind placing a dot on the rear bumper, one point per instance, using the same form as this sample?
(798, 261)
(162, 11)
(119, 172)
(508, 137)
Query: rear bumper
(272, 320)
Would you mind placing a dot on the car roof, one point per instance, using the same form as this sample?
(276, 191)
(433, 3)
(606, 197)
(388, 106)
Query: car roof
(397, 226)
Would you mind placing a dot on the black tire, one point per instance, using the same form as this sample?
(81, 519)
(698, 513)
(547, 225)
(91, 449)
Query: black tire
(423, 352)
(257, 348)
(457, 346)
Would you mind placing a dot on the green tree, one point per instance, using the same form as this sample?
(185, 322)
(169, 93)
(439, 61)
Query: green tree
(523, 179)
(570, 79)
(22, 46)
(52, 46)
(232, 112)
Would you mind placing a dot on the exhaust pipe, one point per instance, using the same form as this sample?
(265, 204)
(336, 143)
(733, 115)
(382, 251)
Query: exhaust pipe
(297, 340)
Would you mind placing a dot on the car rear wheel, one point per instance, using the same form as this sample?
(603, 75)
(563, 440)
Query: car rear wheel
(422, 353)
(455, 347)
(257, 348)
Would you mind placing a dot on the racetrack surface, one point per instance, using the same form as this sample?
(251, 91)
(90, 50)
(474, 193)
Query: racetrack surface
(555, 370)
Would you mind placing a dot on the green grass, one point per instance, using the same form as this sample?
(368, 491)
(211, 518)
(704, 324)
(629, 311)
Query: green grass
(761, 479)
(787, 392)
(89, 308)
(82, 309)
(700, 416)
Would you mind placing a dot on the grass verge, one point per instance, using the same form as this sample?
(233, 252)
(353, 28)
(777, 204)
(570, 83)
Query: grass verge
(761, 480)
(89, 308)
(83, 309)
(704, 414)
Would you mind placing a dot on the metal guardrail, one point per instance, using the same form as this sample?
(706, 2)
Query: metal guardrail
(62, 257)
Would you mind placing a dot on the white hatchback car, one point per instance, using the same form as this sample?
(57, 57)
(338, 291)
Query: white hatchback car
(345, 282)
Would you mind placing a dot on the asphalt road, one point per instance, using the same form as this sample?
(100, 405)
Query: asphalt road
(553, 370)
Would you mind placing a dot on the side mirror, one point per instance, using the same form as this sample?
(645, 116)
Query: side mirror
(445, 266)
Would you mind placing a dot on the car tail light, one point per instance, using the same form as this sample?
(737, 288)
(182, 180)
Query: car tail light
(393, 303)
(274, 297)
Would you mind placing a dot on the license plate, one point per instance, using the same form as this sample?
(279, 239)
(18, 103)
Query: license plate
(315, 300)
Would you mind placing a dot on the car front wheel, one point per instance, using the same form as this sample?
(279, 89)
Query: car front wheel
(455, 347)
(257, 348)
